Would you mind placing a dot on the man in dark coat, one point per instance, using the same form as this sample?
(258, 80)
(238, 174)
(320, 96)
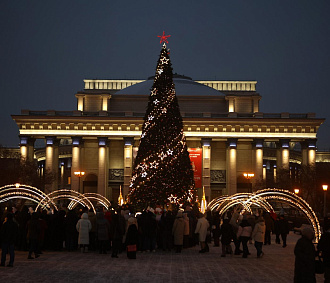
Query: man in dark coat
(33, 228)
(227, 235)
(8, 235)
(324, 247)
(269, 222)
(304, 268)
(283, 227)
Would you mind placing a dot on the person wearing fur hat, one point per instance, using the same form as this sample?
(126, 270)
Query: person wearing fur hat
(178, 231)
(258, 235)
(83, 227)
(132, 237)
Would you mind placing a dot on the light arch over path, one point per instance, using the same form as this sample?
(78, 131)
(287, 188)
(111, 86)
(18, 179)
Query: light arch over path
(19, 191)
(261, 197)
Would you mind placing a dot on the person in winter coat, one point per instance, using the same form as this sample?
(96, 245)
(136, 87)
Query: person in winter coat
(227, 235)
(33, 231)
(71, 234)
(166, 225)
(83, 227)
(244, 234)
(102, 232)
(201, 230)
(324, 247)
(216, 228)
(116, 231)
(92, 233)
(269, 222)
(234, 221)
(258, 235)
(132, 237)
(178, 231)
(186, 231)
(8, 235)
(283, 227)
(304, 267)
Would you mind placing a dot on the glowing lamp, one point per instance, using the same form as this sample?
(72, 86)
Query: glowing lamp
(248, 175)
(79, 173)
(325, 187)
(296, 191)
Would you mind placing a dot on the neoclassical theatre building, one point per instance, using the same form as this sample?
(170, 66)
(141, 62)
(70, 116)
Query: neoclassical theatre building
(226, 132)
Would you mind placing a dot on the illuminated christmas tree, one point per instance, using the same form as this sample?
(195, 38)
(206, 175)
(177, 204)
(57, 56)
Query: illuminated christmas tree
(162, 169)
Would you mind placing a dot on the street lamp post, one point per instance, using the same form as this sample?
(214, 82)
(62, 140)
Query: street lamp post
(249, 176)
(79, 174)
(325, 188)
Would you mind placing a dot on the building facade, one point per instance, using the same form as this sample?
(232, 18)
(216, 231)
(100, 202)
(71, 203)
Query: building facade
(226, 132)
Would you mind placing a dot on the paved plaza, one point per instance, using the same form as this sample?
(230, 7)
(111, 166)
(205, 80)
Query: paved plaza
(277, 265)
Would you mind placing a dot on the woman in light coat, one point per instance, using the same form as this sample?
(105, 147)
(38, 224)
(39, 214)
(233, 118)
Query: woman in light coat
(244, 234)
(178, 231)
(258, 235)
(83, 227)
(201, 230)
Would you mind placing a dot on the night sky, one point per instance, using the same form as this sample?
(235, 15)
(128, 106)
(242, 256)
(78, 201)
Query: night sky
(48, 47)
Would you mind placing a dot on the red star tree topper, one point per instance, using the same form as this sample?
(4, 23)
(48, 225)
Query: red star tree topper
(163, 38)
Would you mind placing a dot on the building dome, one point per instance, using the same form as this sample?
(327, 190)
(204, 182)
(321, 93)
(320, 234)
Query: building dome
(184, 86)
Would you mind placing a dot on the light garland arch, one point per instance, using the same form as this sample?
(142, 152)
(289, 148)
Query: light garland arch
(92, 196)
(19, 191)
(260, 199)
(72, 195)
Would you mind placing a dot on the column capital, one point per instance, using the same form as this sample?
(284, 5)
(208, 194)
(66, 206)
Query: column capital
(284, 143)
(308, 144)
(258, 143)
(232, 142)
(103, 141)
(206, 141)
(77, 141)
(129, 140)
(26, 140)
(52, 140)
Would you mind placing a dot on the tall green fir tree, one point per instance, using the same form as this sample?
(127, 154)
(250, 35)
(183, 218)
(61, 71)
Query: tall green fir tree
(162, 170)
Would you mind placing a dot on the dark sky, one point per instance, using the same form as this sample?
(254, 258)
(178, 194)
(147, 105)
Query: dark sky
(47, 48)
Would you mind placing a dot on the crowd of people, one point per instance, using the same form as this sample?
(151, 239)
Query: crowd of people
(122, 230)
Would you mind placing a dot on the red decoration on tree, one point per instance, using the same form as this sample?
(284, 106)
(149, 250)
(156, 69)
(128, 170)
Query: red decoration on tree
(163, 38)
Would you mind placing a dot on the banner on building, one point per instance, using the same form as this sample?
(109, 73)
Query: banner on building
(195, 155)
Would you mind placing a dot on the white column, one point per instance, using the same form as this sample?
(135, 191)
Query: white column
(258, 166)
(102, 167)
(51, 163)
(284, 155)
(27, 148)
(231, 170)
(206, 177)
(128, 164)
(308, 152)
(75, 164)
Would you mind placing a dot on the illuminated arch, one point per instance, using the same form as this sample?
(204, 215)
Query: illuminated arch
(92, 196)
(19, 191)
(294, 201)
(260, 198)
(223, 203)
(72, 195)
